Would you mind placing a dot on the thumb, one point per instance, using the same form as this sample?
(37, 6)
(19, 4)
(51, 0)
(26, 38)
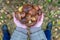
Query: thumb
(13, 15)
(14, 18)
(41, 20)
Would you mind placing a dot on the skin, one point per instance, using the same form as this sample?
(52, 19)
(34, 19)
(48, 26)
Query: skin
(39, 21)
(19, 24)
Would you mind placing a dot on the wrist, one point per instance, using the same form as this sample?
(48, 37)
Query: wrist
(34, 29)
(24, 27)
(20, 29)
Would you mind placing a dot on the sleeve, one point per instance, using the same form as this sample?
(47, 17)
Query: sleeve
(19, 34)
(37, 34)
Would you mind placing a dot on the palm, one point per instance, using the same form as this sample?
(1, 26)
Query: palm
(39, 21)
(18, 23)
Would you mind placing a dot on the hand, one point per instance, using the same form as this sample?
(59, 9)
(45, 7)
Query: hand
(39, 21)
(18, 23)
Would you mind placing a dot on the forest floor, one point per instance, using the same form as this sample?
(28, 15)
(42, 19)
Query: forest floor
(51, 8)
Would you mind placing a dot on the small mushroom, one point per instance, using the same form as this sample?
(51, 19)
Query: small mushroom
(33, 18)
(29, 21)
(32, 12)
(23, 14)
(28, 17)
(36, 7)
(26, 8)
(23, 20)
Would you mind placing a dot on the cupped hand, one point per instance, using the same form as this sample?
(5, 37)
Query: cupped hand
(18, 23)
(39, 21)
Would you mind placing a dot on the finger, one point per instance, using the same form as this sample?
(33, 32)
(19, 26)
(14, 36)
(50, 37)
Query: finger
(42, 17)
(41, 21)
(39, 18)
(14, 18)
(13, 15)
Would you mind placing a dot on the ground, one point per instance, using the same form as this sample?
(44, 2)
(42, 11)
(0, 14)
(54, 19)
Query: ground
(51, 9)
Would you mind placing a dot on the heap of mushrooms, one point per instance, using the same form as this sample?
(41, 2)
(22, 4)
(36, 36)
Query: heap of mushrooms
(28, 14)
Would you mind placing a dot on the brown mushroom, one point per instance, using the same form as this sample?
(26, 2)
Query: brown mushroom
(33, 19)
(32, 12)
(36, 7)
